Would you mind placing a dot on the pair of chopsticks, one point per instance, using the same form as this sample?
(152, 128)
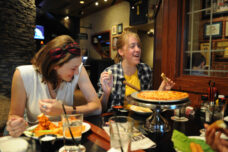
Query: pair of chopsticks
(130, 85)
(137, 89)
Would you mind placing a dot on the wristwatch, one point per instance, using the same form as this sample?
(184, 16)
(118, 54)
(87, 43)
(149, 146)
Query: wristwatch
(74, 109)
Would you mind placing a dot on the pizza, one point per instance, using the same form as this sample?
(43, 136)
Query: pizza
(162, 95)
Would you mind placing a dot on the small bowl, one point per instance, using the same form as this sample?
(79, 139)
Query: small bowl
(120, 110)
(47, 142)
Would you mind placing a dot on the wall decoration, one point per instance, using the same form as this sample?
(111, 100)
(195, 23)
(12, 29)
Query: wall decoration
(226, 32)
(120, 28)
(205, 50)
(221, 56)
(114, 41)
(220, 8)
(214, 29)
(114, 29)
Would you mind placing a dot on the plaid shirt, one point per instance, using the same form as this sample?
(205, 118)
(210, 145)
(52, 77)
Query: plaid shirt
(118, 89)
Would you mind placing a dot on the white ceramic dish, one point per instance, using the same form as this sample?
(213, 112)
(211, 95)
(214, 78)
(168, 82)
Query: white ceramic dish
(8, 144)
(29, 134)
(194, 137)
(139, 110)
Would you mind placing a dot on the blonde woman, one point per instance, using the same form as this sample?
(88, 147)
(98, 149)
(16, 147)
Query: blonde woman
(111, 87)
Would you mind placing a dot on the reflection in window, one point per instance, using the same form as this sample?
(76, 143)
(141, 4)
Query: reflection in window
(206, 49)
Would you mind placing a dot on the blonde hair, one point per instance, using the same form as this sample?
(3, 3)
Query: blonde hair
(122, 41)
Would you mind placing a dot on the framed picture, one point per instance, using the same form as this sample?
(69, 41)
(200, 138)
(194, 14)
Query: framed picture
(226, 32)
(221, 56)
(218, 7)
(114, 30)
(120, 28)
(114, 41)
(214, 30)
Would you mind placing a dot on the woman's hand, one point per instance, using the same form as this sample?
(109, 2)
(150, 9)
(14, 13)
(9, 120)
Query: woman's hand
(106, 80)
(213, 138)
(51, 107)
(166, 85)
(16, 125)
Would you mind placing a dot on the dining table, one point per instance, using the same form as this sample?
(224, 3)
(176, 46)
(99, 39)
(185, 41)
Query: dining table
(97, 140)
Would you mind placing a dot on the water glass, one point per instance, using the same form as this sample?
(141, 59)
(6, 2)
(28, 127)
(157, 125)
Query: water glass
(72, 126)
(121, 128)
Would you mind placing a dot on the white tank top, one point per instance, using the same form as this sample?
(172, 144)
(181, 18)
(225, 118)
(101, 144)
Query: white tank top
(36, 90)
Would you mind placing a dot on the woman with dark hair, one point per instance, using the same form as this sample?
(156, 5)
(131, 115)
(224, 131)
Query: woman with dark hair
(48, 83)
(111, 88)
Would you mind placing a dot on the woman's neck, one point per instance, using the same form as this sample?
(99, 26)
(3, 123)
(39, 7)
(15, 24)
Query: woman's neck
(128, 68)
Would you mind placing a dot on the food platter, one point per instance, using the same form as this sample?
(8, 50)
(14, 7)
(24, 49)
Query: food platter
(28, 132)
(140, 110)
(193, 137)
(135, 96)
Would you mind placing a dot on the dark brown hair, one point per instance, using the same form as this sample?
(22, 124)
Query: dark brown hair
(122, 40)
(44, 64)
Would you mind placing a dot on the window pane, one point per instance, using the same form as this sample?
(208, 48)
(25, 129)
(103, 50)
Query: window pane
(206, 51)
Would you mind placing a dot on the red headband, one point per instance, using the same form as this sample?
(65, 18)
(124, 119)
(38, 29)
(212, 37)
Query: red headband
(59, 53)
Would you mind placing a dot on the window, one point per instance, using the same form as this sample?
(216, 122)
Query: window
(206, 45)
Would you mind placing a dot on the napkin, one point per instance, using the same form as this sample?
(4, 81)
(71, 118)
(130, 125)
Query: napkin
(138, 141)
(11, 144)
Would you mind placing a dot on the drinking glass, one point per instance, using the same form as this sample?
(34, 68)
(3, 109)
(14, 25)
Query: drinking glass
(72, 131)
(179, 115)
(121, 128)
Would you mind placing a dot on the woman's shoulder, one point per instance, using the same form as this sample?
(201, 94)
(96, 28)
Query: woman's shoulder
(114, 67)
(26, 70)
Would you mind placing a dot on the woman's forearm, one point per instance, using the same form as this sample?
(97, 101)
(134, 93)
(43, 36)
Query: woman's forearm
(104, 100)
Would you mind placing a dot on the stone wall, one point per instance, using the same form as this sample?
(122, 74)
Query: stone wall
(17, 46)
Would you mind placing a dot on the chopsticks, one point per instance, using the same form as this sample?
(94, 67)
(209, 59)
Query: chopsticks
(164, 77)
(130, 85)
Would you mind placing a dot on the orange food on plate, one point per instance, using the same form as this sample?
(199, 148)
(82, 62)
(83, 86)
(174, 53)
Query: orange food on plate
(195, 147)
(45, 126)
(162, 95)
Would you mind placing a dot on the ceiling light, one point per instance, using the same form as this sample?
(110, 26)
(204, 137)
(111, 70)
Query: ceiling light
(105, 0)
(66, 18)
(82, 2)
(96, 3)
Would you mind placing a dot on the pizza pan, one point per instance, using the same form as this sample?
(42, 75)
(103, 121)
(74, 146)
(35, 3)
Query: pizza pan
(134, 96)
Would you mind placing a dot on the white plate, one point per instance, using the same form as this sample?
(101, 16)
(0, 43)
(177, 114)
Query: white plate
(193, 137)
(9, 143)
(137, 110)
(134, 95)
(29, 134)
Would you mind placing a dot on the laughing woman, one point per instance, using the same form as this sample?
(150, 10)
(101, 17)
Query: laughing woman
(111, 87)
(48, 83)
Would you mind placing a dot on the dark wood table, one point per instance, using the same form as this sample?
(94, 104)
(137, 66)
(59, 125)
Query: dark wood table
(97, 140)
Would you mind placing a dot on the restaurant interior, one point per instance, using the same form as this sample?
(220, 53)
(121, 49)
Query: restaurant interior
(172, 32)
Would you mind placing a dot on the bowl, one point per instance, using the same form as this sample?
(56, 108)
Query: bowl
(47, 142)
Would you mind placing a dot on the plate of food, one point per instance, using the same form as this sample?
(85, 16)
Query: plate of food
(140, 110)
(47, 127)
(183, 143)
(160, 96)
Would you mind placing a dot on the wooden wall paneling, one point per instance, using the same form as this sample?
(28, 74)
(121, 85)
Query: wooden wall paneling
(158, 48)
